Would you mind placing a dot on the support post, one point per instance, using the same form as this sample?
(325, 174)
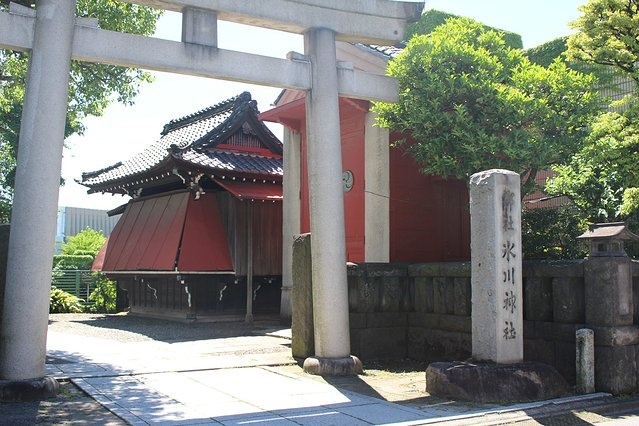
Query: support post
(199, 26)
(249, 263)
(328, 244)
(377, 192)
(33, 224)
(290, 218)
(585, 362)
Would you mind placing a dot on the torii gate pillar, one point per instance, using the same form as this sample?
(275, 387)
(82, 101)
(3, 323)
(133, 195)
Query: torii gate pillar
(328, 245)
(26, 307)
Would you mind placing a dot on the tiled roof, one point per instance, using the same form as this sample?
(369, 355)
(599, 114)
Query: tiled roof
(386, 52)
(193, 137)
(239, 162)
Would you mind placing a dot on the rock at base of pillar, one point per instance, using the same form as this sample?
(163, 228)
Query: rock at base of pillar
(349, 366)
(464, 381)
(28, 390)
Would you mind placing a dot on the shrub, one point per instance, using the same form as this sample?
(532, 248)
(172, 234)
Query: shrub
(62, 302)
(72, 261)
(87, 240)
(551, 233)
(104, 296)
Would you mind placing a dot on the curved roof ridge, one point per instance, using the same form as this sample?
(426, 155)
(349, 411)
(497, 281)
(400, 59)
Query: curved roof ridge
(220, 107)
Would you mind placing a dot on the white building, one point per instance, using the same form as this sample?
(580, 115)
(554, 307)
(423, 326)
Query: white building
(72, 220)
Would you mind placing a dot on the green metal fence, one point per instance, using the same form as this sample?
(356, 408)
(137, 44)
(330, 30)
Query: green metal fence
(77, 282)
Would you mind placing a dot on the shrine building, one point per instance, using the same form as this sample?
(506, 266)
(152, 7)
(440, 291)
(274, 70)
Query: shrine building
(204, 225)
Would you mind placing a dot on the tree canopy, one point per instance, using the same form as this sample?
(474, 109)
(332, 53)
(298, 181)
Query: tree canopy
(92, 86)
(603, 178)
(470, 102)
(607, 34)
(88, 241)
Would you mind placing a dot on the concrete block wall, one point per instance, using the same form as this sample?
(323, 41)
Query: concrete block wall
(554, 308)
(410, 311)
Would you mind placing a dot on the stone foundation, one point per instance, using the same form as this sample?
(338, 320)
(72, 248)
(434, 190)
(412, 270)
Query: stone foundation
(28, 390)
(521, 382)
(348, 366)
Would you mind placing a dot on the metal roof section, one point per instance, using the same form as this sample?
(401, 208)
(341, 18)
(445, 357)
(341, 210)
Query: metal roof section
(168, 233)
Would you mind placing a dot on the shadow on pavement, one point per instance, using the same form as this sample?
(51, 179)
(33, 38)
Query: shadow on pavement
(134, 328)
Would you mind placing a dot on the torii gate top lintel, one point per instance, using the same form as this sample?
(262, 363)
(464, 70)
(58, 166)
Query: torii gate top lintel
(367, 21)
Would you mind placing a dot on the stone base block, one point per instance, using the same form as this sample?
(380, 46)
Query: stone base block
(28, 390)
(349, 366)
(494, 382)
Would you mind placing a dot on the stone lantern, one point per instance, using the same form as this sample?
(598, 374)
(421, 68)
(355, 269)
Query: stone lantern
(607, 239)
(609, 307)
(608, 275)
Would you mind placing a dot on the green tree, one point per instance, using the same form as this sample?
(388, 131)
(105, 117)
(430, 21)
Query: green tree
(92, 86)
(470, 103)
(603, 178)
(608, 34)
(87, 241)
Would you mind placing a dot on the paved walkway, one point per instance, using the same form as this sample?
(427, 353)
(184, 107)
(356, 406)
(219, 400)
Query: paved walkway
(236, 380)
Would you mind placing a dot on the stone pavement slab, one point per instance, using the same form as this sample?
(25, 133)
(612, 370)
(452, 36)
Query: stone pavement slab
(236, 396)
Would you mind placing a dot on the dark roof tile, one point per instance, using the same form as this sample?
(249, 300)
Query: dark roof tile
(238, 162)
(190, 137)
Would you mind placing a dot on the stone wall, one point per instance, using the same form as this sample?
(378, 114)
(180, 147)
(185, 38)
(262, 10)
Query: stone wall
(422, 311)
(410, 311)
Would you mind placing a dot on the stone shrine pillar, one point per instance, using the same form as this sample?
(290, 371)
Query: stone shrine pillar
(497, 315)
(497, 311)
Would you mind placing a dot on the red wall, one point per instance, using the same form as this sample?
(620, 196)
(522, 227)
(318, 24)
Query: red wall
(352, 127)
(429, 216)
(352, 135)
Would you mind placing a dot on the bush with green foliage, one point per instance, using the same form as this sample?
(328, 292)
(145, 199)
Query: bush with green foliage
(62, 302)
(104, 296)
(70, 261)
(545, 54)
(431, 19)
(603, 178)
(87, 241)
(551, 233)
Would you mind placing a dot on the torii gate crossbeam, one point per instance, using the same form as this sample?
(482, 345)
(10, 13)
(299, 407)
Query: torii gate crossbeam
(55, 36)
(92, 44)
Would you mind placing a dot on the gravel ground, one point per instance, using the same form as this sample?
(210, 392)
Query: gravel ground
(128, 328)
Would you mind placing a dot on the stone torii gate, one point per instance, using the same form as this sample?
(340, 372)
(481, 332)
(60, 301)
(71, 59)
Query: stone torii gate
(54, 36)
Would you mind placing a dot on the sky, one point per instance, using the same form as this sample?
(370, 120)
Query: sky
(124, 131)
